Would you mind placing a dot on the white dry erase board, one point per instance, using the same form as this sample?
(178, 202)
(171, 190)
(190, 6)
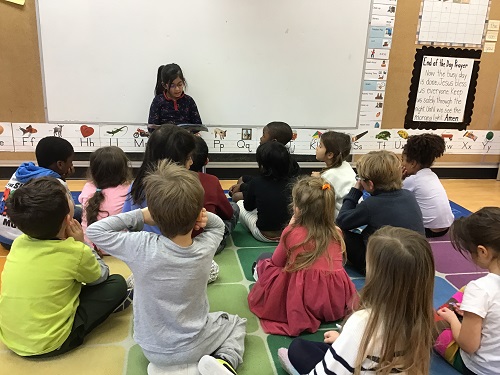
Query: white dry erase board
(247, 62)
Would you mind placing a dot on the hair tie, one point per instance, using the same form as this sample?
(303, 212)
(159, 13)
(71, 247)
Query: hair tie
(326, 186)
(97, 190)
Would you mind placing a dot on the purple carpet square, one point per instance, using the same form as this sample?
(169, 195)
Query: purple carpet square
(461, 280)
(446, 237)
(448, 260)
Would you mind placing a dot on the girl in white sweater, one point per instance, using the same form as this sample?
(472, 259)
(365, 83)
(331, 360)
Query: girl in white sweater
(333, 149)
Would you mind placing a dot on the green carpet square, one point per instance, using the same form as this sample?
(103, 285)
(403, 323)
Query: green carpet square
(232, 298)
(247, 257)
(243, 238)
(229, 267)
(137, 363)
(255, 360)
(275, 342)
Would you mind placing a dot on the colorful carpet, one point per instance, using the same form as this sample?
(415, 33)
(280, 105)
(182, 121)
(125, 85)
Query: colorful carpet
(110, 349)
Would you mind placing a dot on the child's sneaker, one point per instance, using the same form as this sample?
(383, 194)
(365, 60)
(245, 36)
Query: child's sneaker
(130, 295)
(209, 365)
(285, 362)
(214, 272)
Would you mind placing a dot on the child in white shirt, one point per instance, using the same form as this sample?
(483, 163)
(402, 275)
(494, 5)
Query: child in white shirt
(333, 149)
(419, 153)
(478, 236)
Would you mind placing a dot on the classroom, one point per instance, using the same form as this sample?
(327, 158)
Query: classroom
(283, 96)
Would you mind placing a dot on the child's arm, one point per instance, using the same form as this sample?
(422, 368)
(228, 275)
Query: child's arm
(195, 117)
(154, 112)
(224, 208)
(249, 198)
(352, 214)
(108, 234)
(74, 230)
(213, 231)
(468, 333)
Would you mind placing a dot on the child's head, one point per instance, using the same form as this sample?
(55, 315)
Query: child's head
(420, 151)
(314, 209)
(380, 170)
(274, 160)
(171, 80)
(167, 142)
(109, 167)
(175, 198)
(333, 148)
(277, 131)
(40, 207)
(479, 236)
(55, 153)
(399, 292)
(200, 155)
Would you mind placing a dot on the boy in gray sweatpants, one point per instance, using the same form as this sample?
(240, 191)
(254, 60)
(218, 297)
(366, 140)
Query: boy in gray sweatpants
(172, 323)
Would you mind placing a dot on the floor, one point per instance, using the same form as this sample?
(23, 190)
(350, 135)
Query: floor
(110, 349)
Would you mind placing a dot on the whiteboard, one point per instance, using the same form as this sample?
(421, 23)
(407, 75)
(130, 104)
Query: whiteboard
(247, 62)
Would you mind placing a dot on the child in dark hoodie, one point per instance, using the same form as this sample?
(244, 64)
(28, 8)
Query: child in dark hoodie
(54, 156)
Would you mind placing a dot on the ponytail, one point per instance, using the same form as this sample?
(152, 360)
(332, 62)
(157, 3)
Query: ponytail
(159, 87)
(93, 207)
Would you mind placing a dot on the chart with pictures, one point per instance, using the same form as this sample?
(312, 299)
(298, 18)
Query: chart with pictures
(377, 63)
(133, 138)
(453, 22)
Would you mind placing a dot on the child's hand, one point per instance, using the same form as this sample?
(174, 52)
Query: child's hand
(447, 314)
(148, 220)
(315, 174)
(404, 172)
(358, 185)
(234, 189)
(69, 172)
(331, 336)
(74, 229)
(201, 221)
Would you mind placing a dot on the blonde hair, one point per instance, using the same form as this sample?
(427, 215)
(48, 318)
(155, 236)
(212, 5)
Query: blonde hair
(175, 198)
(399, 292)
(383, 168)
(315, 200)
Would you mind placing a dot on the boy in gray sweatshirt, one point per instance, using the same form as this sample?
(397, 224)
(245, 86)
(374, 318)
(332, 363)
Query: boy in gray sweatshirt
(172, 323)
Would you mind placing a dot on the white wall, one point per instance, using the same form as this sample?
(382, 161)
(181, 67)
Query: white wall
(247, 62)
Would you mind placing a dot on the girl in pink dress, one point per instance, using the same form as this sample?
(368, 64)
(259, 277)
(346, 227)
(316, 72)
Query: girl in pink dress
(304, 282)
(105, 192)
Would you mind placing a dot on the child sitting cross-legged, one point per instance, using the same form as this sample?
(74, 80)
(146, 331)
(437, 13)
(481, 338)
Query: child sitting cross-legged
(172, 323)
(379, 173)
(45, 310)
(216, 201)
(304, 283)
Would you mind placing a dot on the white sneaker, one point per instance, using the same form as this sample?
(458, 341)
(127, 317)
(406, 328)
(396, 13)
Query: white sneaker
(209, 365)
(285, 362)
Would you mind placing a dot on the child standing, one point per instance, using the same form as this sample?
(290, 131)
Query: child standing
(172, 323)
(380, 175)
(171, 104)
(419, 153)
(392, 330)
(54, 156)
(172, 143)
(105, 193)
(304, 283)
(478, 236)
(45, 310)
(333, 150)
(264, 208)
(216, 201)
